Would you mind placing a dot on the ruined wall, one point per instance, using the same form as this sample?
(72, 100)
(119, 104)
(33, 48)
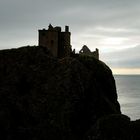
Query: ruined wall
(86, 51)
(96, 54)
(65, 47)
(49, 39)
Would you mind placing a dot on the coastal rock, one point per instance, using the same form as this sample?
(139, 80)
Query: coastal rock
(135, 130)
(111, 127)
(42, 97)
(114, 127)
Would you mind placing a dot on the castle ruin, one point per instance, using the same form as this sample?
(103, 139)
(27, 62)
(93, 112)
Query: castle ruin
(86, 51)
(57, 42)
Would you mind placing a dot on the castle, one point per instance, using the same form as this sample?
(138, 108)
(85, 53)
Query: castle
(56, 41)
(59, 43)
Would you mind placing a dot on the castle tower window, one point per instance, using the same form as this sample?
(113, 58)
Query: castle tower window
(52, 42)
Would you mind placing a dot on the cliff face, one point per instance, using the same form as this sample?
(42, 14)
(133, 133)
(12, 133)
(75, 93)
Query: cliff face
(46, 98)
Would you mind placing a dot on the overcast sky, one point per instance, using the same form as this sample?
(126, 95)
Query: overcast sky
(113, 26)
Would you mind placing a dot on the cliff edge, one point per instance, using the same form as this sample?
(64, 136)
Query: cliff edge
(44, 98)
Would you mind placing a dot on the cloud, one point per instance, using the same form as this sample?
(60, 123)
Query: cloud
(110, 25)
(127, 58)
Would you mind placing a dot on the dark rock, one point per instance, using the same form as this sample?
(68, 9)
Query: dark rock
(111, 127)
(114, 127)
(135, 130)
(42, 97)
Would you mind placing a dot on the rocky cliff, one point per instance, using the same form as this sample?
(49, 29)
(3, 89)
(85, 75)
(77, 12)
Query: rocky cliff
(44, 98)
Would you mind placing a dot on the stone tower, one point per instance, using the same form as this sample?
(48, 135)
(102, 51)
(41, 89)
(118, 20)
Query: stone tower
(56, 41)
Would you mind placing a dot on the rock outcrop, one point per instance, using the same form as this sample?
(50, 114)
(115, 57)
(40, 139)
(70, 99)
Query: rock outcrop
(44, 98)
(114, 127)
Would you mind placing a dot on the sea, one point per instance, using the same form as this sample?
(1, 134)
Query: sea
(128, 89)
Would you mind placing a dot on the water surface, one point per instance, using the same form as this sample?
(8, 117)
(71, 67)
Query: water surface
(128, 89)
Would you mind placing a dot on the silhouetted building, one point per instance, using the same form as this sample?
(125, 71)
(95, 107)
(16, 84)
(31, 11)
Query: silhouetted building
(56, 41)
(86, 51)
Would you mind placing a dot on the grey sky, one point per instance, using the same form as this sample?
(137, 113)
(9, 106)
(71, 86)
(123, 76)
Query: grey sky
(111, 25)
